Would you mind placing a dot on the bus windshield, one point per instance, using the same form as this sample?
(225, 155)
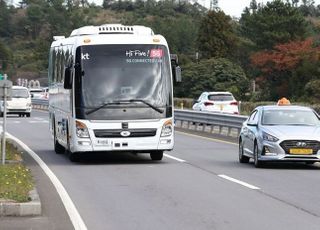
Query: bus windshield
(138, 76)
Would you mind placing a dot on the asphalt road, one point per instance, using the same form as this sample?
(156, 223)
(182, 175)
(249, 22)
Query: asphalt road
(205, 188)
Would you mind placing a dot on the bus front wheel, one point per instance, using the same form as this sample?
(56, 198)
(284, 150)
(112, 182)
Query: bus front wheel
(59, 149)
(156, 155)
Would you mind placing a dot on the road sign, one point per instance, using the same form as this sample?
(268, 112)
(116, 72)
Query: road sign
(5, 84)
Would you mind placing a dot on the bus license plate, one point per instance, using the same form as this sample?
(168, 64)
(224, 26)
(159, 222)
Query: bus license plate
(103, 142)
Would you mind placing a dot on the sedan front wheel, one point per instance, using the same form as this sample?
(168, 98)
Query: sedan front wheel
(242, 158)
(257, 162)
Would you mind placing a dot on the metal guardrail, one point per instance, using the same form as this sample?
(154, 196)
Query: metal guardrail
(218, 123)
(40, 104)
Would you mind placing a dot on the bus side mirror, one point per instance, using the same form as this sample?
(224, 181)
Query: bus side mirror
(176, 69)
(67, 78)
(177, 74)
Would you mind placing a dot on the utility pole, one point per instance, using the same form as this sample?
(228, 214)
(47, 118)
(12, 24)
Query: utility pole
(5, 93)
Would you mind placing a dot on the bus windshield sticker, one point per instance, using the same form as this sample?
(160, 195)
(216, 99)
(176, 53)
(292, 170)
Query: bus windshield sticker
(137, 53)
(85, 56)
(156, 53)
(149, 56)
(126, 90)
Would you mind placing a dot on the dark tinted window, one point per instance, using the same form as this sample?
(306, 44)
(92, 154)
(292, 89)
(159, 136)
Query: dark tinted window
(220, 97)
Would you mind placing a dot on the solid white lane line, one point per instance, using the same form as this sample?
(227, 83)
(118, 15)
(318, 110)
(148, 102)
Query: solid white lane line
(174, 158)
(38, 122)
(239, 182)
(72, 211)
(206, 138)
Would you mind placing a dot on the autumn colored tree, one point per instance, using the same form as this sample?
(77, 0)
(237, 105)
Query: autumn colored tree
(278, 68)
(286, 57)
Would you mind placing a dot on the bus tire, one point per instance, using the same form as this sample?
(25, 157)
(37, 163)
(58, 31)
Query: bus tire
(156, 155)
(73, 157)
(59, 149)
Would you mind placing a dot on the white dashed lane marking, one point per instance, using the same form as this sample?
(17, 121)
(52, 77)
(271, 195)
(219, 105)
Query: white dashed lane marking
(238, 182)
(34, 120)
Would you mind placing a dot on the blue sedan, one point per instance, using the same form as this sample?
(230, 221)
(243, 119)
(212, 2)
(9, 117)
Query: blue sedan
(280, 133)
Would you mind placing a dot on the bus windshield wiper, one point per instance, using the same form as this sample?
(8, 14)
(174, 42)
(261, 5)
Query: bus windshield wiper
(146, 103)
(102, 106)
(119, 102)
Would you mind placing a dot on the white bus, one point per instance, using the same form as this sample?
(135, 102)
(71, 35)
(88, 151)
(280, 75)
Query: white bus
(111, 89)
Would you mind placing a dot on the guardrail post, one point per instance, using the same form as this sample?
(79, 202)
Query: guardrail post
(210, 128)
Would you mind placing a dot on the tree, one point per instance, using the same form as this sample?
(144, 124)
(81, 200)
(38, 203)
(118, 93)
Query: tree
(287, 68)
(5, 57)
(5, 19)
(307, 8)
(274, 23)
(216, 74)
(216, 37)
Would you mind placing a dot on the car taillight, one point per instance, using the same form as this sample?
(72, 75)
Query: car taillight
(208, 103)
(234, 103)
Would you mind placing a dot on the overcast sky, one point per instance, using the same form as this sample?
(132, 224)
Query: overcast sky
(235, 7)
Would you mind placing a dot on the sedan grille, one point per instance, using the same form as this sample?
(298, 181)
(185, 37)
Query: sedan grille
(302, 144)
(114, 133)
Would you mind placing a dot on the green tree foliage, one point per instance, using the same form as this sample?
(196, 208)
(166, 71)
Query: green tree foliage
(5, 19)
(274, 23)
(216, 36)
(33, 25)
(216, 74)
(307, 8)
(5, 57)
(312, 91)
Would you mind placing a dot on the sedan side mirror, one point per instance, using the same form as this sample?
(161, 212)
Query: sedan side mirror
(252, 124)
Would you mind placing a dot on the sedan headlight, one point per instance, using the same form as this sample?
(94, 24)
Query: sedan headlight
(82, 130)
(166, 129)
(268, 137)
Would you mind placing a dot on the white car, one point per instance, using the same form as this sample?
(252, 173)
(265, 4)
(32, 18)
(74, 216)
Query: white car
(223, 102)
(45, 93)
(36, 93)
(20, 102)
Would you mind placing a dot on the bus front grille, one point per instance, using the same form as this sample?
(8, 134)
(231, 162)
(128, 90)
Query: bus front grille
(115, 133)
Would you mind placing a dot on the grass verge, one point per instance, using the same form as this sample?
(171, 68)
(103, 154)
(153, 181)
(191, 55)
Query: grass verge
(15, 178)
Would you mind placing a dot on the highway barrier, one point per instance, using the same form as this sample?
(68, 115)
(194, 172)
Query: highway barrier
(215, 123)
(40, 104)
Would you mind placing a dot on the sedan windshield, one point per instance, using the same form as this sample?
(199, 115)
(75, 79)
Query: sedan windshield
(289, 117)
(123, 82)
(20, 93)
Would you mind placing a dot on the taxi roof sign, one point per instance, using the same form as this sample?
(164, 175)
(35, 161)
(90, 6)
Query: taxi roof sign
(283, 101)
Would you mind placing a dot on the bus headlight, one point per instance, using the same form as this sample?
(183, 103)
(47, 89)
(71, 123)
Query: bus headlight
(166, 129)
(81, 130)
